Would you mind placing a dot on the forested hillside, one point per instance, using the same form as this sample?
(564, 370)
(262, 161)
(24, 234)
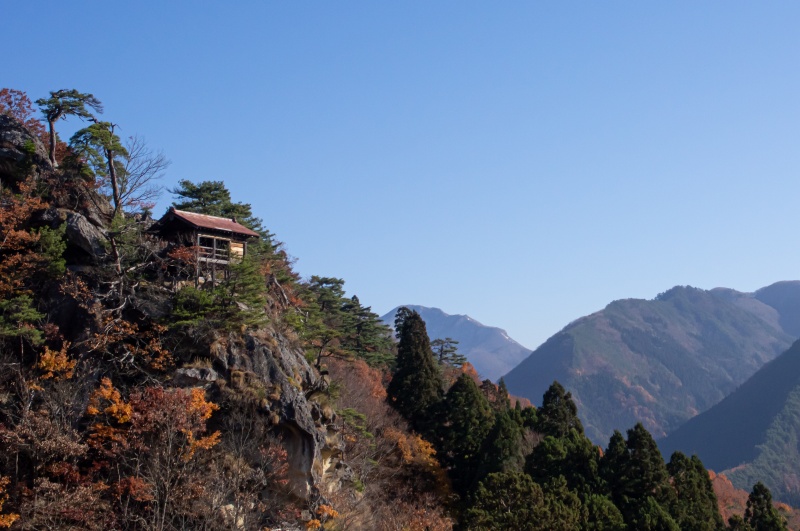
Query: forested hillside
(661, 361)
(147, 387)
(753, 433)
(178, 374)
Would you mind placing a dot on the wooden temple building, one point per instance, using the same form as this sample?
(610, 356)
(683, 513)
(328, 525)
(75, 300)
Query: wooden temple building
(216, 241)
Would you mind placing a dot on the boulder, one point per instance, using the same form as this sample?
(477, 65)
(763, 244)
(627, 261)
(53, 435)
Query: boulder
(81, 233)
(195, 377)
(21, 152)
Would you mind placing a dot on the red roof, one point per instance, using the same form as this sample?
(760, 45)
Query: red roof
(203, 221)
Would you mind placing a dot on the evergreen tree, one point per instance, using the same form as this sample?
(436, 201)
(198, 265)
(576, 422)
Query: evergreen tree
(446, 352)
(650, 515)
(497, 395)
(416, 386)
(572, 457)
(325, 319)
(242, 296)
(695, 504)
(558, 414)
(507, 500)
(336, 325)
(602, 514)
(467, 420)
(612, 466)
(502, 393)
(565, 512)
(637, 477)
(400, 317)
(737, 523)
(368, 336)
(647, 473)
(760, 514)
(513, 501)
(503, 446)
(213, 198)
(103, 150)
(63, 103)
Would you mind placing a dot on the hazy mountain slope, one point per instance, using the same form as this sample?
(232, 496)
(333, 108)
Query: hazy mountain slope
(752, 434)
(785, 298)
(658, 361)
(487, 348)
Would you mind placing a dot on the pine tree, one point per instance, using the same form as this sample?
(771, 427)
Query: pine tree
(637, 477)
(467, 420)
(213, 199)
(558, 414)
(508, 500)
(760, 514)
(103, 150)
(602, 514)
(63, 103)
(503, 447)
(367, 336)
(695, 504)
(446, 351)
(513, 501)
(496, 394)
(241, 298)
(416, 386)
(573, 457)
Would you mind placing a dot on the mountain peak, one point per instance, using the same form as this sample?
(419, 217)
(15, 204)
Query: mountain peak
(489, 349)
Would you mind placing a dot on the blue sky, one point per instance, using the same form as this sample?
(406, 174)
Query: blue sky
(524, 163)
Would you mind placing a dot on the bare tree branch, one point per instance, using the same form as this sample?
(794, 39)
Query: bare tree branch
(143, 168)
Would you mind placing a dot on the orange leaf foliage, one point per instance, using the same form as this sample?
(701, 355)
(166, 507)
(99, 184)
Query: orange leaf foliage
(17, 104)
(117, 408)
(56, 364)
(6, 520)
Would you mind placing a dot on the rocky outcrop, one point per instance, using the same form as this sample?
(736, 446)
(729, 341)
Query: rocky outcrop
(20, 150)
(266, 367)
(85, 236)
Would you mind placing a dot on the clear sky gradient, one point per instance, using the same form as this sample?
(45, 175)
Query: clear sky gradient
(524, 163)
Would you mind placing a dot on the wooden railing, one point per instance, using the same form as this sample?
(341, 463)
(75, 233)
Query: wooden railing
(218, 251)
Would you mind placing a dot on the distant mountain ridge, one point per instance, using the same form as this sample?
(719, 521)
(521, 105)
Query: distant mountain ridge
(662, 361)
(752, 434)
(489, 349)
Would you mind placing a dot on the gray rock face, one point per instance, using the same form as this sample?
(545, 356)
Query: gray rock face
(270, 367)
(195, 377)
(19, 148)
(84, 235)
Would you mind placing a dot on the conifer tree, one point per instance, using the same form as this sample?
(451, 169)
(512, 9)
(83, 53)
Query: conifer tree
(637, 478)
(213, 198)
(760, 514)
(695, 504)
(446, 351)
(241, 297)
(558, 414)
(367, 336)
(63, 103)
(416, 386)
(105, 154)
(611, 466)
(573, 457)
(507, 500)
(602, 514)
(496, 394)
(648, 474)
(467, 419)
(503, 447)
